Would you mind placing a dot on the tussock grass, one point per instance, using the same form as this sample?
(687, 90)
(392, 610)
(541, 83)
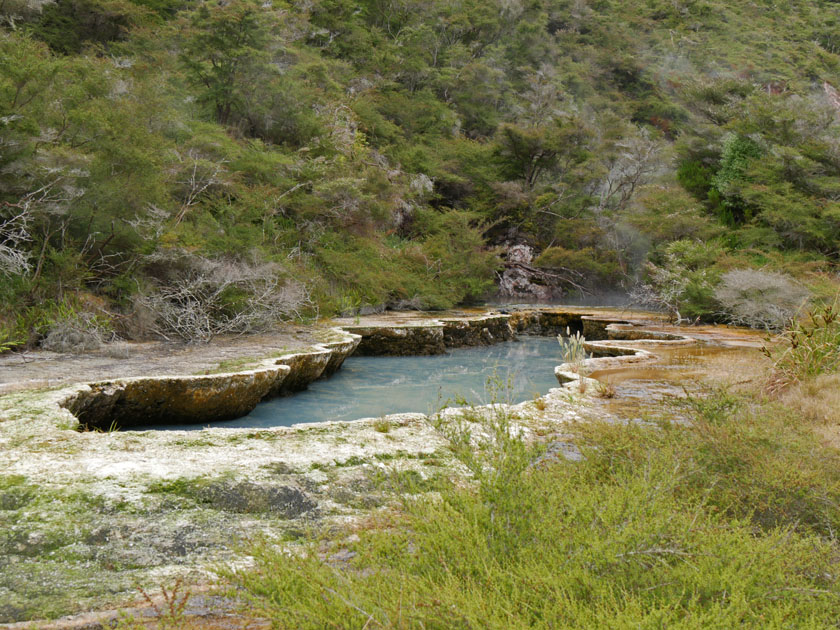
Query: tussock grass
(729, 521)
(809, 347)
(817, 401)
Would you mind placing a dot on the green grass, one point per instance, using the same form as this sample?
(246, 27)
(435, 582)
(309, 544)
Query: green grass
(727, 522)
(242, 364)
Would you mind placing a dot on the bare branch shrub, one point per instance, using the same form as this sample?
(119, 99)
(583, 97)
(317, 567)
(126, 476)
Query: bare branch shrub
(198, 298)
(639, 158)
(652, 295)
(77, 333)
(760, 299)
(152, 223)
(14, 237)
(15, 219)
(198, 176)
(51, 200)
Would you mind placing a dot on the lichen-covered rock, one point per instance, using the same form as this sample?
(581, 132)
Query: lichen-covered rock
(604, 350)
(250, 498)
(595, 329)
(305, 367)
(406, 340)
(340, 350)
(477, 332)
(207, 398)
(519, 280)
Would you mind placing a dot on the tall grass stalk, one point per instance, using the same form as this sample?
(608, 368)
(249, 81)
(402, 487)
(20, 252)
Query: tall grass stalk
(573, 350)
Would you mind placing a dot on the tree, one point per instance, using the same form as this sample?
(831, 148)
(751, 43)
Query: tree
(528, 153)
(226, 43)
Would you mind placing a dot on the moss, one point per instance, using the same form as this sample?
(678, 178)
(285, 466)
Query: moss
(15, 493)
(239, 496)
(279, 468)
(355, 460)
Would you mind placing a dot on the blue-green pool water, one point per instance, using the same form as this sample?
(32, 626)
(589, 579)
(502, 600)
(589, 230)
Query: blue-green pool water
(369, 387)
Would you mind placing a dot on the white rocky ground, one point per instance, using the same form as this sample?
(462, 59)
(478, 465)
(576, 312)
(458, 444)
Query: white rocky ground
(87, 516)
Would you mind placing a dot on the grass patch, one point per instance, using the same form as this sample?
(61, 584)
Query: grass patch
(382, 425)
(242, 364)
(728, 521)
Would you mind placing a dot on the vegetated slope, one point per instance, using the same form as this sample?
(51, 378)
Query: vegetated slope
(170, 164)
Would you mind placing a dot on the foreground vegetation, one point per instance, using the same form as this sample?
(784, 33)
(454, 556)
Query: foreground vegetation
(188, 168)
(726, 518)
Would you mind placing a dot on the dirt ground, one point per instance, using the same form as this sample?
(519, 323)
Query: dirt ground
(42, 369)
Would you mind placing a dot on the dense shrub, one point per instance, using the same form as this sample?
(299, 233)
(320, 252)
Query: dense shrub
(196, 298)
(759, 299)
(683, 525)
(299, 131)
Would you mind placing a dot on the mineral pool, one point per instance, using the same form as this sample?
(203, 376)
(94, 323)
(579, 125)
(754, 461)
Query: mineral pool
(370, 387)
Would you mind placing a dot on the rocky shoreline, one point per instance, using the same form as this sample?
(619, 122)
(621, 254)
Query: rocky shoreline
(184, 399)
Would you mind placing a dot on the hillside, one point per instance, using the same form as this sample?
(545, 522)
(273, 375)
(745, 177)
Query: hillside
(185, 169)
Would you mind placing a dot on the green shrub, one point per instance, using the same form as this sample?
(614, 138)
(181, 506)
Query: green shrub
(726, 522)
(596, 265)
(684, 282)
(68, 25)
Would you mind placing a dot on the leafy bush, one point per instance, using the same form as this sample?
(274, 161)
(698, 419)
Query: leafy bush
(8, 339)
(759, 299)
(596, 265)
(684, 283)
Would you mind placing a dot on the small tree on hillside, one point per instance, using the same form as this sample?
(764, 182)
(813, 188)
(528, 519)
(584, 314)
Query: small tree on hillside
(225, 44)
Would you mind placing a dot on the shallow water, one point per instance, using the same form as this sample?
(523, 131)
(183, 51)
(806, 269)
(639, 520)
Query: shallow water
(369, 387)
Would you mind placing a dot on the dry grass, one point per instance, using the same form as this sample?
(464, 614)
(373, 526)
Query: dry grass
(606, 389)
(818, 400)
